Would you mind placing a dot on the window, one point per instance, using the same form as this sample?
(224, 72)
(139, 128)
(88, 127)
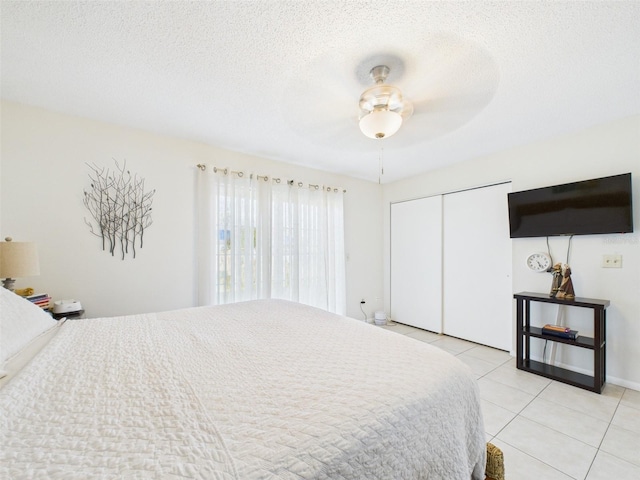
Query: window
(261, 239)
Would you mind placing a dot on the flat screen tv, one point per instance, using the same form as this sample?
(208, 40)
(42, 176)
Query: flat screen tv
(600, 205)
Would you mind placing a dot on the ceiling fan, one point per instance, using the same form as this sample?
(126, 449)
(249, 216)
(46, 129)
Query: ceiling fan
(433, 89)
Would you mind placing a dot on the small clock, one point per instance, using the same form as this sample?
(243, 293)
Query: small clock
(539, 262)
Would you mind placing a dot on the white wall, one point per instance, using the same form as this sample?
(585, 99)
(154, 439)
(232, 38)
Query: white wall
(603, 150)
(43, 173)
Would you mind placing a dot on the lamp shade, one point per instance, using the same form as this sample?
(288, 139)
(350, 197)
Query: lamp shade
(18, 259)
(380, 123)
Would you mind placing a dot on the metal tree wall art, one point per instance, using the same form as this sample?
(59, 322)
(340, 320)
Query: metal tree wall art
(120, 208)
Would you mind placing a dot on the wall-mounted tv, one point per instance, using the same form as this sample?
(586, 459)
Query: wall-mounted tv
(599, 205)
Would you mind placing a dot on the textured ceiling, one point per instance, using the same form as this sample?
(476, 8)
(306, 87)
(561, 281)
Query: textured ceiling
(281, 79)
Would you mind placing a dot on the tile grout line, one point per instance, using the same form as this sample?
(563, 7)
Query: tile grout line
(529, 455)
(518, 414)
(538, 460)
(605, 434)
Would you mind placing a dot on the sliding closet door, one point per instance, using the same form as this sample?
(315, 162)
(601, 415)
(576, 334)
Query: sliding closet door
(477, 300)
(416, 263)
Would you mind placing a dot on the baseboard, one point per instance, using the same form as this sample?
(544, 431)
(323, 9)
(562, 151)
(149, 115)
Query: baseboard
(621, 382)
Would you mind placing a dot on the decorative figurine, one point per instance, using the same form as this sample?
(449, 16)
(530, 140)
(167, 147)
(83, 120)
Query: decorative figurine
(562, 286)
(556, 271)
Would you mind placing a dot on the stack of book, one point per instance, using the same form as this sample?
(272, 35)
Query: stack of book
(43, 300)
(560, 331)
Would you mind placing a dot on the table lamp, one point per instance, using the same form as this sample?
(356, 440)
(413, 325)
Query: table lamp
(17, 259)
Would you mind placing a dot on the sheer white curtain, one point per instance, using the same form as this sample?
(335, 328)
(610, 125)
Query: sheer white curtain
(308, 246)
(261, 239)
(335, 253)
(234, 238)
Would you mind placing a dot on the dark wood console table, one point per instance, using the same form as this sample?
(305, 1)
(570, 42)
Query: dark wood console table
(525, 331)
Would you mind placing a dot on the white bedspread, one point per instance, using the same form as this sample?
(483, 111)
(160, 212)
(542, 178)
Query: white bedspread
(257, 390)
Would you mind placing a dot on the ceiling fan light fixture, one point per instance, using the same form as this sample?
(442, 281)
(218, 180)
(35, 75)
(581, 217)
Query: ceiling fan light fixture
(380, 123)
(382, 107)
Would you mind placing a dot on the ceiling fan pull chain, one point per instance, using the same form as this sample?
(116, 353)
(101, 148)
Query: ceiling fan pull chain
(381, 163)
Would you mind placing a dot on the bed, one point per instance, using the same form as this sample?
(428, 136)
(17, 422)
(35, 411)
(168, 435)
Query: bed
(266, 389)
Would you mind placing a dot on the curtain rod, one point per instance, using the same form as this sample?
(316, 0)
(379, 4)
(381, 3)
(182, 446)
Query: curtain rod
(226, 171)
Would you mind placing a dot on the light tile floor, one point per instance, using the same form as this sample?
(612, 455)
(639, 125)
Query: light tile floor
(548, 430)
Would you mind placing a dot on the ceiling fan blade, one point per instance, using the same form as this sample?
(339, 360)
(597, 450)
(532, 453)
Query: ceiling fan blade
(468, 102)
(322, 108)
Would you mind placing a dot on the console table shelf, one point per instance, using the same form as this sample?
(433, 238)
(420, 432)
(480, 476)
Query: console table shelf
(525, 332)
(581, 341)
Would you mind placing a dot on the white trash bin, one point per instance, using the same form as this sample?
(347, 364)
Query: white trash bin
(380, 318)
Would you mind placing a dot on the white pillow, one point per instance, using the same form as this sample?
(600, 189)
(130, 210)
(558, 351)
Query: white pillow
(20, 322)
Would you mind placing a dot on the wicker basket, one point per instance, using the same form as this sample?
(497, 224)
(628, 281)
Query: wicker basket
(495, 463)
